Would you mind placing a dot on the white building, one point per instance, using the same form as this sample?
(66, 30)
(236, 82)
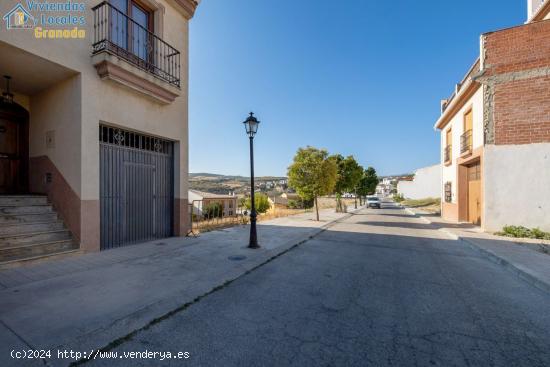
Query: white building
(426, 184)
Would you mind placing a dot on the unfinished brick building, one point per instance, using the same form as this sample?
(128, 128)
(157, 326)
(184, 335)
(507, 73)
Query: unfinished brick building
(495, 130)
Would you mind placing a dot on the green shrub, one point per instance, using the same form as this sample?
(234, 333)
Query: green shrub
(300, 204)
(523, 232)
(260, 201)
(307, 204)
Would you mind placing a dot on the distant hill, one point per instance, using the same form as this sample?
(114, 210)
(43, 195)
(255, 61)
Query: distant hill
(224, 184)
(215, 176)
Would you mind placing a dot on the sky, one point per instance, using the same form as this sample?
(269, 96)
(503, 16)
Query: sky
(356, 77)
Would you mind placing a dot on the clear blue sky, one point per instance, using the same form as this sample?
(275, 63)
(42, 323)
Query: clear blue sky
(360, 77)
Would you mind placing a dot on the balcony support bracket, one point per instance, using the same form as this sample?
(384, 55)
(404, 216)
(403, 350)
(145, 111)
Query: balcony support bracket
(109, 67)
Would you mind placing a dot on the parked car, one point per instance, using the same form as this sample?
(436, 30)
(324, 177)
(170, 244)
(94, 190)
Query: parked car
(373, 202)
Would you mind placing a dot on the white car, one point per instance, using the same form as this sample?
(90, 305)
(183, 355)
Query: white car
(373, 202)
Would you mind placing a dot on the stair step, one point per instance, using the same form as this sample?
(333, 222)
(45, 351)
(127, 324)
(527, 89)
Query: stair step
(38, 259)
(27, 218)
(31, 209)
(23, 228)
(33, 251)
(32, 238)
(23, 200)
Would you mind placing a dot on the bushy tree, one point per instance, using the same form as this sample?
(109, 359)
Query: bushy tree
(261, 202)
(367, 184)
(371, 180)
(312, 174)
(348, 177)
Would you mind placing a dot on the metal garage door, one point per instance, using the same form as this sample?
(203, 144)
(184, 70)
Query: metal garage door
(136, 187)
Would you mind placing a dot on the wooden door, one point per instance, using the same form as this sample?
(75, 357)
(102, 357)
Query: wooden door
(10, 156)
(474, 194)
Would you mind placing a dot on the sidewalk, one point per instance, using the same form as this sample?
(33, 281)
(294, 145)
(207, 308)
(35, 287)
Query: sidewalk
(512, 253)
(87, 302)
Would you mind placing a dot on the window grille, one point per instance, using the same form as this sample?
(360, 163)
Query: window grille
(131, 139)
(448, 192)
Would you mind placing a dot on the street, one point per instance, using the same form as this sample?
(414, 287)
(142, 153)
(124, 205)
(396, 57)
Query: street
(380, 288)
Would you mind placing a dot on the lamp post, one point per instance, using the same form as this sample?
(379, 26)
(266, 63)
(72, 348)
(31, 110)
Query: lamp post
(251, 126)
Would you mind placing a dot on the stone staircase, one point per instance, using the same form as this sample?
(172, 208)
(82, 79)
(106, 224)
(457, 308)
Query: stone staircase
(31, 230)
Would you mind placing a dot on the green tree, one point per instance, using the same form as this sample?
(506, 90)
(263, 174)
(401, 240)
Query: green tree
(348, 177)
(367, 184)
(371, 180)
(260, 201)
(312, 174)
(363, 187)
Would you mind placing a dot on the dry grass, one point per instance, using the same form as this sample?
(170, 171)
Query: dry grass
(432, 205)
(330, 202)
(226, 222)
(281, 212)
(218, 223)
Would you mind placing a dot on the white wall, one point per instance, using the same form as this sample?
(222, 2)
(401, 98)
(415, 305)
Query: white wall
(426, 184)
(517, 186)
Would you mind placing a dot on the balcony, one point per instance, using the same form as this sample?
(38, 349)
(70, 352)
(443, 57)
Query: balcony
(447, 154)
(154, 64)
(466, 142)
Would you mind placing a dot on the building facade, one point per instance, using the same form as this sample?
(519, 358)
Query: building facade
(199, 201)
(495, 130)
(98, 118)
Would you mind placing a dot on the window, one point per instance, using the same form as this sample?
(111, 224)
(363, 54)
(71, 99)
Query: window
(448, 192)
(466, 138)
(474, 172)
(468, 120)
(449, 145)
(132, 35)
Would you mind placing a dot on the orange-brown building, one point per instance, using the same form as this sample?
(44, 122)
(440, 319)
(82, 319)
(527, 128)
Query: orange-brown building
(495, 130)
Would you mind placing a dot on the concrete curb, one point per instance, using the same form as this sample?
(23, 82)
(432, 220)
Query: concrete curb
(519, 271)
(125, 328)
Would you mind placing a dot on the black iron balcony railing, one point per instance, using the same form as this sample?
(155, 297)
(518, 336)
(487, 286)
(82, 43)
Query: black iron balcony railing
(466, 142)
(116, 33)
(447, 153)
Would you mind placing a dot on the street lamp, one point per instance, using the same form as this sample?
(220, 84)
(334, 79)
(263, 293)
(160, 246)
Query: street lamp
(251, 126)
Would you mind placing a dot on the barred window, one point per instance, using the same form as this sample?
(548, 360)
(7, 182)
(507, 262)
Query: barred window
(448, 192)
(130, 139)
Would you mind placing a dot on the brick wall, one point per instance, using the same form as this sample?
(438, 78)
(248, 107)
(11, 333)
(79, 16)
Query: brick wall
(519, 48)
(522, 111)
(517, 63)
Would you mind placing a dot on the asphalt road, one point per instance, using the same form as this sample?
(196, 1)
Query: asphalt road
(379, 289)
